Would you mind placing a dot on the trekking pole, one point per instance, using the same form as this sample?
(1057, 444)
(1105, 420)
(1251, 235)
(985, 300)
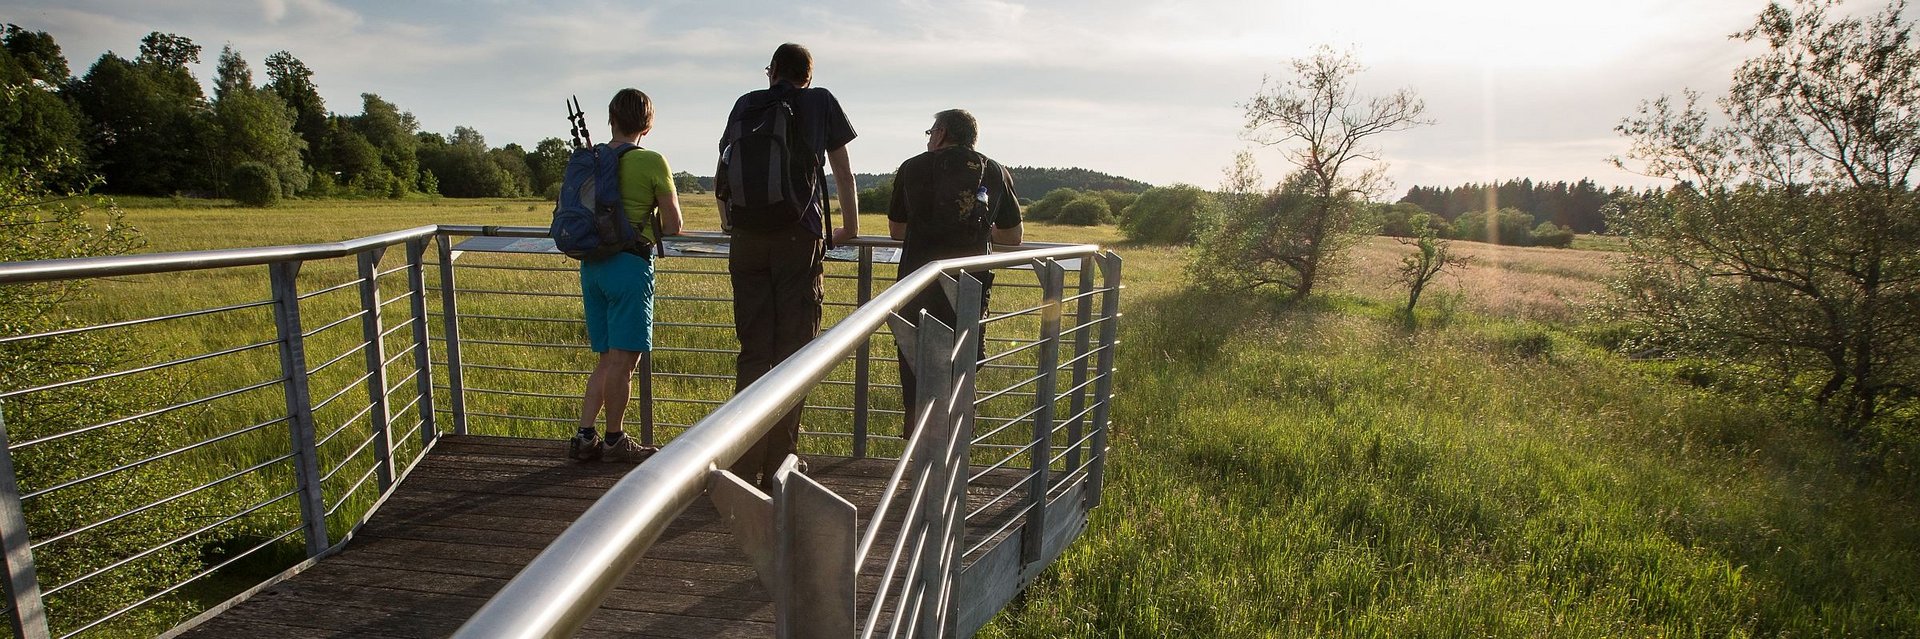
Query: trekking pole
(582, 136)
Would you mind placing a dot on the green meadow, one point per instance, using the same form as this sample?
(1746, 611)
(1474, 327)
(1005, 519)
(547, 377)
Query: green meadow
(1278, 468)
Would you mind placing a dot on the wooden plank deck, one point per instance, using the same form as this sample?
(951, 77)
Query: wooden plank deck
(478, 509)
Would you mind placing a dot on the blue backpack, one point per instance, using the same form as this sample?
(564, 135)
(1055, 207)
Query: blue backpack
(589, 222)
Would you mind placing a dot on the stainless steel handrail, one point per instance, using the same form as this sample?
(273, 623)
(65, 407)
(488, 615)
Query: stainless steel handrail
(562, 586)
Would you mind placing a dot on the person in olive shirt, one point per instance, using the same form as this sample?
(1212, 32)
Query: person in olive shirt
(930, 190)
(618, 290)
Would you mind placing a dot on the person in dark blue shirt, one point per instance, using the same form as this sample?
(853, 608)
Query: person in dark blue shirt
(776, 272)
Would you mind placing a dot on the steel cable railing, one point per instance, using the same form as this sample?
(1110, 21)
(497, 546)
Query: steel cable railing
(307, 472)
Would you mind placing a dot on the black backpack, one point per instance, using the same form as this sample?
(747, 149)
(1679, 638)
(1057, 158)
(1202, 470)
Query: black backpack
(960, 215)
(769, 174)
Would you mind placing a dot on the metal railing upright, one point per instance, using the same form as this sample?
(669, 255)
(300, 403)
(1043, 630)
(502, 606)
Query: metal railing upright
(248, 424)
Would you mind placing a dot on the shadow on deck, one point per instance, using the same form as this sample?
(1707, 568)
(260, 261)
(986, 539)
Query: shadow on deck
(470, 516)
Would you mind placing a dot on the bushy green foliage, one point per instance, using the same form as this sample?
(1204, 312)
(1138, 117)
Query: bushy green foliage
(1552, 235)
(53, 224)
(1087, 210)
(1290, 237)
(877, 198)
(1400, 218)
(1166, 215)
(1118, 201)
(1508, 226)
(254, 125)
(254, 184)
(1799, 251)
(1049, 206)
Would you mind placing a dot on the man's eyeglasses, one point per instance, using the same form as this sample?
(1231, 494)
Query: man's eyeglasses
(930, 131)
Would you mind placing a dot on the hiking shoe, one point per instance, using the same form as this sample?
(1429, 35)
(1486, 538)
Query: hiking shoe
(586, 446)
(626, 449)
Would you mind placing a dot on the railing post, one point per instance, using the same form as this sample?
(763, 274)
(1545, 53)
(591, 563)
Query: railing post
(28, 616)
(422, 360)
(863, 360)
(1103, 389)
(933, 355)
(375, 348)
(964, 292)
(450, 331)
(293, 369)
(645, 372)
(1082, 344)
(1052, 281)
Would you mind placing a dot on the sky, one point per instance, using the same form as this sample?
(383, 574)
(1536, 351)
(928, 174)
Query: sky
(1147, 89)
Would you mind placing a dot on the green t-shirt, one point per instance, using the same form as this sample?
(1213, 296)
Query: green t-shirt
(643, 177)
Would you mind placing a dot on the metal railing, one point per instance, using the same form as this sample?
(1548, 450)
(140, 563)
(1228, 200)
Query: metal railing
(233, 455)
(556, 593)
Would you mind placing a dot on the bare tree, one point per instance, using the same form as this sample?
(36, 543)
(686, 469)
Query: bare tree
(1792, 237)
(1322, 126)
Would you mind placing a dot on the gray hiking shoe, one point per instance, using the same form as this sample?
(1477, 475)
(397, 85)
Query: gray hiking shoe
(628, 450)
(586, 446)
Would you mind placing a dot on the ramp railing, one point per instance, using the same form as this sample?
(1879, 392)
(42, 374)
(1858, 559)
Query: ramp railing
(179, 430)
(804, 540)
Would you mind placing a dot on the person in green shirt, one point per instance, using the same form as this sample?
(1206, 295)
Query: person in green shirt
(618, 291)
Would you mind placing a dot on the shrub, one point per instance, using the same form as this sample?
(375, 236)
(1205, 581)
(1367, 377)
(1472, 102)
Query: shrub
(1552, 235)
(1086, 210)
(396, 187)
(254, 184)
(1167, 215)
(1049, 207)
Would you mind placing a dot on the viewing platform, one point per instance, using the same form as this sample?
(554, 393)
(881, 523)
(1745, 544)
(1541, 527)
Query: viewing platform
(367, 439)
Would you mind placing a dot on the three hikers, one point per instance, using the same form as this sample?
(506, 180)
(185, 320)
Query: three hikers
(950, 201)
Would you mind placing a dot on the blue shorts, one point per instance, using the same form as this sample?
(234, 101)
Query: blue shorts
(618, 292)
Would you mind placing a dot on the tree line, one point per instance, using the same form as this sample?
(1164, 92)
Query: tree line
(1579, 206)
(146, 126)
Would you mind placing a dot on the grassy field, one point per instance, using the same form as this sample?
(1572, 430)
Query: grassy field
(1279, 469)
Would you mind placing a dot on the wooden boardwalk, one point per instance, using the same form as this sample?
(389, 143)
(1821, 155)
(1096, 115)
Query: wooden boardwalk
(479, 508)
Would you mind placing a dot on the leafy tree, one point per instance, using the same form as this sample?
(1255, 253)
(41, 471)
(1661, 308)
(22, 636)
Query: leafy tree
(1430, 256)
(548, 165)
(877, 198)
(515, 178)
(1166, 215)
(1507, 226)
(1049, 207)
(1397, 219)
(1118, 201)
(290, 79)
(392, 131)
(1793, 236)
(41, 128)
(35, 54)
(152, 131)
(1322, 126)
(254, 184)
(1087, 210)
(1551, 235)
(356, 161)
(254, 125)
(462, 165)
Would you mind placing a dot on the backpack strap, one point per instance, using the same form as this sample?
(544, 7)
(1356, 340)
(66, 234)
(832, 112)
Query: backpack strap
(659, 239)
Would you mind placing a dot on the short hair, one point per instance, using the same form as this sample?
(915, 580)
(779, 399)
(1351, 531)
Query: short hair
(793, 63)
(631, 111)
(959, 126)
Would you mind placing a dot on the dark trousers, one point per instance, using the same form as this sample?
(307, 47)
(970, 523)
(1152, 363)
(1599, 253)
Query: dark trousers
(934, 300)
(776, 311)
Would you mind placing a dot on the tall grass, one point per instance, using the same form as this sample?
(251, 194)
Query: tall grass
(1314, 469)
